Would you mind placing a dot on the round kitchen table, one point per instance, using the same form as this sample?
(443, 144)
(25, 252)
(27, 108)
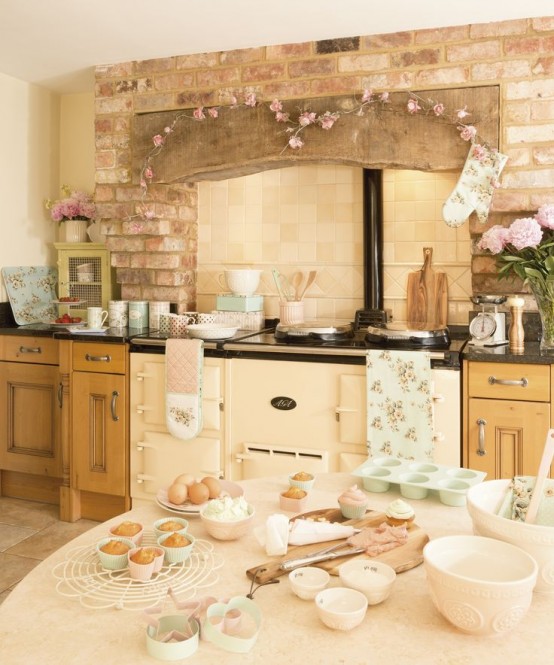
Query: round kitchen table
(40, 625)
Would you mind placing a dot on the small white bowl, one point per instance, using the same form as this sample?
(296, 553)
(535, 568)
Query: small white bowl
(308, 581)
(373, 578)
(341, 608)
(230, 530)
(480, 585)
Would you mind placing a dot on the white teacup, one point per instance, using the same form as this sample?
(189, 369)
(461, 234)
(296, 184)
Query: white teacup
(240, 282)
(96, 317)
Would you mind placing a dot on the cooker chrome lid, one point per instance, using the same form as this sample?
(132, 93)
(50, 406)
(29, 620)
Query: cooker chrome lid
(399, 334)
(327, 330)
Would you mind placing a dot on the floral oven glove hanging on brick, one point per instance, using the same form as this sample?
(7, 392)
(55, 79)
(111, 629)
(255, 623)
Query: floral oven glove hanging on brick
(475, 186)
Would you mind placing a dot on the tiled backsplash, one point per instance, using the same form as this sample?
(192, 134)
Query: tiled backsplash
(310, 218)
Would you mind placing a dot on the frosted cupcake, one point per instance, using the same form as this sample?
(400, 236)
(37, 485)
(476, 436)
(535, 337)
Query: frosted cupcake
(399, 512)
(353, 503)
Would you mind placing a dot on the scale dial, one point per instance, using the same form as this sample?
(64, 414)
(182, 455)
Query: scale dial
(482, 326)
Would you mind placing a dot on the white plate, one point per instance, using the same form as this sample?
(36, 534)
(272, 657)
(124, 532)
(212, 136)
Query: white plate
(228, 488)
(211, 330)
(86, 331)
(68, 302)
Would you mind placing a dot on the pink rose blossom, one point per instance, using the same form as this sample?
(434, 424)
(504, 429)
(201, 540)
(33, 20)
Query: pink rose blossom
(158, 140)
(525, 232)
(479, 153)
(282, 117)
(295, 142)
(168, 130)
(384, 97)
(306, 118)
(413, 106)
(149, 214)
(148, 172)
(275, 106)
(462, 113)
(545, 216)
(213, 112)
(495, 239)
(198, 113)
(250, 99)
(438, 109)
(467, 132)
(366, 97)
(328, 120)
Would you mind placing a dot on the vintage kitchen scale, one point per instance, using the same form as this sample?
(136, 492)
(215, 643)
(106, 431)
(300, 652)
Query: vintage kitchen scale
(488, 327)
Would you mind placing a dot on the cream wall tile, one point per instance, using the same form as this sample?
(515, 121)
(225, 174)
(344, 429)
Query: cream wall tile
(424, 231)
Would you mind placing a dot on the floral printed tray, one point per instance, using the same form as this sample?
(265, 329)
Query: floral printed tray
(31, 291)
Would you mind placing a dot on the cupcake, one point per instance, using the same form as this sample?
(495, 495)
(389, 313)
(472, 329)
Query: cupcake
(353, 503)
(399, 512)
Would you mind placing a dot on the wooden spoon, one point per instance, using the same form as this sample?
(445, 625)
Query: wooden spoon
(311, 279)
(544, 467)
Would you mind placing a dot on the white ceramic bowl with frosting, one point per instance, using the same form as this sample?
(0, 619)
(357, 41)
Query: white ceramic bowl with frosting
(227, 518)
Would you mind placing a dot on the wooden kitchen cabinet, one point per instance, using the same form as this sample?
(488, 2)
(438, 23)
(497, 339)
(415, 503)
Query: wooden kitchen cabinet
(507, 414)
(30, 416)
(99, 428)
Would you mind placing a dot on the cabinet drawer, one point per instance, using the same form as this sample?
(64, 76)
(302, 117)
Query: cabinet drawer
(506, 381)
(36, 350)
(99, 357)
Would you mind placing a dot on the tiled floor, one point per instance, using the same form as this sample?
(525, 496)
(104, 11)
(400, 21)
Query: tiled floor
(29, 532)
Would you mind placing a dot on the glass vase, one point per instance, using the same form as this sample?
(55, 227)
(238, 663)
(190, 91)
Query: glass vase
(545, 305)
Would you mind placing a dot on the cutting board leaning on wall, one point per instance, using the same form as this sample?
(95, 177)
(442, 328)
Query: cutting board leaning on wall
(427, 296)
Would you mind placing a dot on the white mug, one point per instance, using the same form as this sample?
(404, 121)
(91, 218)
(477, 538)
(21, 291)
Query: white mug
(96, 317)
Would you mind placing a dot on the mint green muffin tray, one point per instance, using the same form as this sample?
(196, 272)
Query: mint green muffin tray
(417, 479)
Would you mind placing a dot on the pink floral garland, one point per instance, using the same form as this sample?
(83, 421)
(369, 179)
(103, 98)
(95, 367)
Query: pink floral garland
(296, 126)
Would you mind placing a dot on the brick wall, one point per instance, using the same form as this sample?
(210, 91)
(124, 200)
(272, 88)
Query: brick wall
(157, 259)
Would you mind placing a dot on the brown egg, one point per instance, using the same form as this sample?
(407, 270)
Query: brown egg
(177, 493)
(185, 478)
(198, 493)
(213, 485)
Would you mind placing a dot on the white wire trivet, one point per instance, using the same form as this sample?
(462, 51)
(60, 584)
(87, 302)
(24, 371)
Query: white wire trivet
(81, 576)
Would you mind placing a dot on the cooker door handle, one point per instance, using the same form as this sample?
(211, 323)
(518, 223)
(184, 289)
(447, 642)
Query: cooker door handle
(481, 422)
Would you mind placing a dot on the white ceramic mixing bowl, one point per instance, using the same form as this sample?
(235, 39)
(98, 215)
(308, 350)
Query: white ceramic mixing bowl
(242, 282)
(482, 586)
(483, 501)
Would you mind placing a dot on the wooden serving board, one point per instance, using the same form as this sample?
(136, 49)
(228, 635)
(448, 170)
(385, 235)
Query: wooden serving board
(427, 296)
(400, 558)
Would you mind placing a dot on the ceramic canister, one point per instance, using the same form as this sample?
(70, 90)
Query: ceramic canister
(138, 314)
(118, 313)
(155, 309)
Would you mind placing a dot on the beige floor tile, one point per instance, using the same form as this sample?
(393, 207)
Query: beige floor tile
(31, 514)
(11, 535)
(13, 569)
(48, 540)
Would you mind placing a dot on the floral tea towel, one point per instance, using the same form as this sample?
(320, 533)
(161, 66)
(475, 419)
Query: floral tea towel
(183, 387)
(516, 501)
(399, 404)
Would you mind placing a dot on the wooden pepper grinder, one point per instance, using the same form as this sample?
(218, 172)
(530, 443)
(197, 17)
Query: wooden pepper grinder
(516, 333)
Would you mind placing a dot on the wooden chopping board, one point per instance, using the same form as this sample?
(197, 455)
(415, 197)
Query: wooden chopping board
(427, 296)
(401, 558)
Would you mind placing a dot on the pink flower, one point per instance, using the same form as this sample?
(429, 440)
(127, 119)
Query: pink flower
(306, 118)
(545, 216)
(295, 142)
(149, 214)
(168, 130)
(198, 113)
(158, 139)
(462, 113)
(479, 153)
(148, 172)
(438, 109)
(328, 119)
(467, 132)
(495, 239)
(525, 232)
(384, 97)
(213, 112)
(282, 117)
(250, 99)
(366, 97)
(275, 106)
(75, 205)
(413, 106)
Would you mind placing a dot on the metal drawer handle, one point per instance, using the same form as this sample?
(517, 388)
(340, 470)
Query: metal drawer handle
(29, 349)
(98, 359)
(509, 382)
(481, 422)
(113, 407)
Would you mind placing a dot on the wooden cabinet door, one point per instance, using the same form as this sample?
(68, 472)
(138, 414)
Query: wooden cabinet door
(512, 435)
(30, 419)
(99, 422)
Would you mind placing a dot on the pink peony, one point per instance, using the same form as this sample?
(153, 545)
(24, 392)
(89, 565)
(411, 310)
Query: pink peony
(413, 106)
(275, 106)
(328, 120)
(306, 118)
(213, 112)
(75, 205)
(438, 109)
(295, 142)
(525, 232)
(545, 216)
(250, 99)
(282, 117)
(467, 132)
(495, 239)
(158, 140)
(198, 114)
(366, 97)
